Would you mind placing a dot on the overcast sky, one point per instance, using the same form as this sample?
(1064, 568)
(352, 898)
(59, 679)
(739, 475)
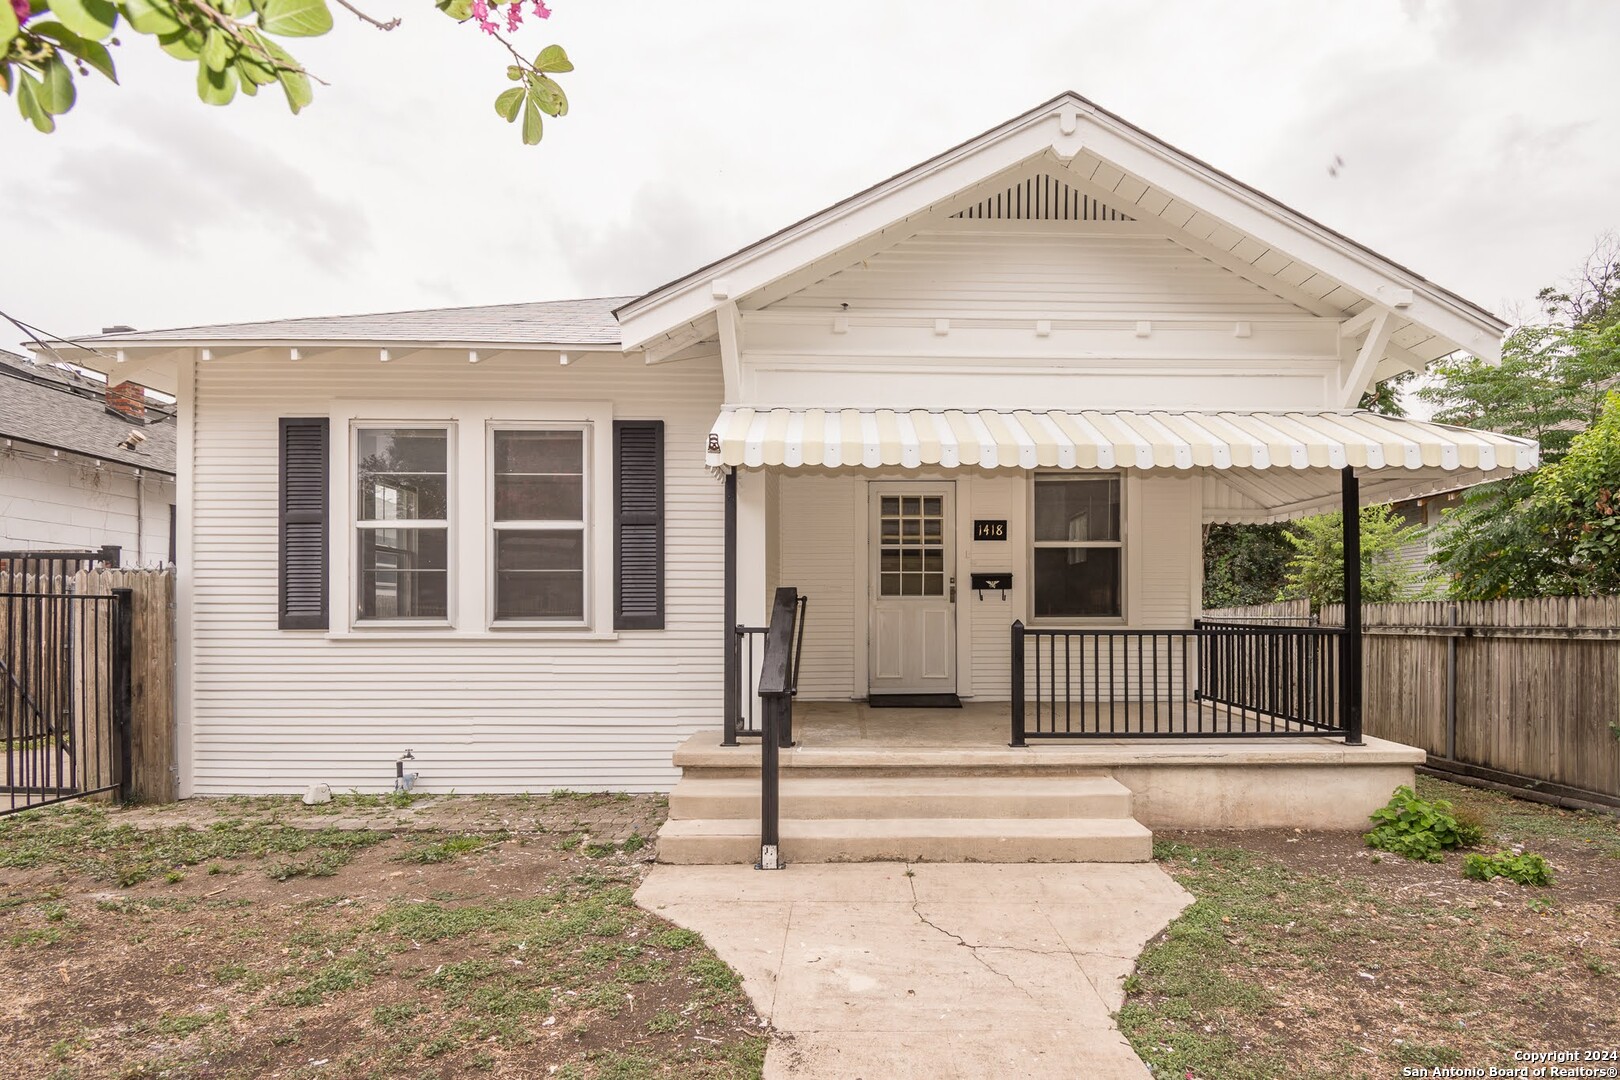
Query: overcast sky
(1480, 140)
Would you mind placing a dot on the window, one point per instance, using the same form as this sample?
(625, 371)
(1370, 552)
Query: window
(538, 523)
(912, 559)
(402, 522)
(1078, 558)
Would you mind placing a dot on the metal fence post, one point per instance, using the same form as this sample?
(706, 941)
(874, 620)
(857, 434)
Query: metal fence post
(1350, 661)
(776, 687)
(122, 689)
(732, 696)
(1018, 683)
(770, 801)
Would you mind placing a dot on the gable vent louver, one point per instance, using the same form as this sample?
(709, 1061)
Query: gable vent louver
(1042, 198)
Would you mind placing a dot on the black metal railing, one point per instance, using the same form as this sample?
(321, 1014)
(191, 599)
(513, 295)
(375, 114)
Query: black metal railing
(778, 683)
(1216, 679)
(65, 696)
(743, 706)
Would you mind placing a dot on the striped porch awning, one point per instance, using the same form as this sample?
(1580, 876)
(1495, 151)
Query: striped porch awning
(1113, 439)
(1248, 455)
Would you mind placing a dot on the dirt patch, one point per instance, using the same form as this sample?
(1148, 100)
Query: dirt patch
(255, 939)
(1310, 955)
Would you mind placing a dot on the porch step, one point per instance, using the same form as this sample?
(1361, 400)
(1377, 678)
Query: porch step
(1007, 840)
(699, 796)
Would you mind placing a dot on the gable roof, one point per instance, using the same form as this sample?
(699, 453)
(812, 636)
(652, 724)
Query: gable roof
(1128, 169)
(551, 322)
(59, 410)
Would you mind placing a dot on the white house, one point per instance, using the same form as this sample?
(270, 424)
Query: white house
(82, 467)
(1009, 384)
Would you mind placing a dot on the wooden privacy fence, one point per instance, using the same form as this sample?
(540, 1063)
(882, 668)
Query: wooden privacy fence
(1516, 691)
(55, 635)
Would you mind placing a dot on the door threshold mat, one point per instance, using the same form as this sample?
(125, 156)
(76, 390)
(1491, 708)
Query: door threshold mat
(914, 701)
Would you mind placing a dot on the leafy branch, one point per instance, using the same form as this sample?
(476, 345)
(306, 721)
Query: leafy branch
(45, 43)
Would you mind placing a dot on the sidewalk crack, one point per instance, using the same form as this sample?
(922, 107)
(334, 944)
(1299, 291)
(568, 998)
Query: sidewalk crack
(973, 950)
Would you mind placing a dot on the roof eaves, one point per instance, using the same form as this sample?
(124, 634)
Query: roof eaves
(1464, 306)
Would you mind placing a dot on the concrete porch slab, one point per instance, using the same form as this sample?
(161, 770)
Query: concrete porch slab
(929, 970)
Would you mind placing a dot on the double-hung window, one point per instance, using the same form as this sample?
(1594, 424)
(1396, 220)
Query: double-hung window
(538, 478)
(402, 522)
(1079, 554)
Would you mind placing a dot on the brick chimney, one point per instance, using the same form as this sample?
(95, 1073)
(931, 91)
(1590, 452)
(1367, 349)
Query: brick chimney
(128, 400)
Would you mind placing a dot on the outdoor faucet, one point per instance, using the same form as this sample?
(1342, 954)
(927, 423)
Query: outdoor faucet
(404, 781)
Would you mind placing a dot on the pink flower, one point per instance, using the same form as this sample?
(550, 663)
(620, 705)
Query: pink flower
(21, 8)
(480, 12)
(540, 9)
(514, 16)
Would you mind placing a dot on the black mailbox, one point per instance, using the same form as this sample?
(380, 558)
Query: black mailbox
(995, 582)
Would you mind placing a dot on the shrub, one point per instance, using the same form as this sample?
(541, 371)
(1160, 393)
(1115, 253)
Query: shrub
(1525, 869)
(1419, 829)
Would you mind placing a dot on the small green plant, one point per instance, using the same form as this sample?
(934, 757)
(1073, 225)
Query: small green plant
(1526, 869)
(664, 1022)
(677, 939)
(1420, 829)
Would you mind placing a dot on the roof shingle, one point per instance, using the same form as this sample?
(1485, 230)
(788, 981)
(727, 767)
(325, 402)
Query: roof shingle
(51, 407)
(551, 322)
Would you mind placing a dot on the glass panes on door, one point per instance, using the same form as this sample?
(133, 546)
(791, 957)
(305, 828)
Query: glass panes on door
(911, 538)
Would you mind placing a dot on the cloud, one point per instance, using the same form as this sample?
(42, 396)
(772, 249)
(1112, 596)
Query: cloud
(663, 234)
(174, 188)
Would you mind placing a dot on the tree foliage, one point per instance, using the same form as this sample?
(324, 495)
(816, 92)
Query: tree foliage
(1576, 503)
(1316, 570)
(1245, 564)
(237, 48)
(1525, 537)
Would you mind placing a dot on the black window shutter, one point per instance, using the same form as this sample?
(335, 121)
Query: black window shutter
(638, 525)
(304, 459)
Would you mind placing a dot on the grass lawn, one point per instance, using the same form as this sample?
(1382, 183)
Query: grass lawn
(1309, 955)
(251, 937)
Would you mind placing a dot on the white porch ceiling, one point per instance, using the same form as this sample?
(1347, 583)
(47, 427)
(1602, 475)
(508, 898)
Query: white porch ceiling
(1258, 466)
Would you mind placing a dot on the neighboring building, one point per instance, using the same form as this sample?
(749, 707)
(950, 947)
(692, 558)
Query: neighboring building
(82, 466)
(1043, 360)
(1426, 512)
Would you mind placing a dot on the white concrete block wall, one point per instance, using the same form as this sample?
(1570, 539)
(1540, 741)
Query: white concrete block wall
(68, 503)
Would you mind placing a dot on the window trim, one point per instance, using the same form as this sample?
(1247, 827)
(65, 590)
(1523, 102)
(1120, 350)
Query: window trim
(355, 523)
(470, 602)
(1122, 545)
(585, 525)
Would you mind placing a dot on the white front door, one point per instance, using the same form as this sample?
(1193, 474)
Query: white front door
(912, 589)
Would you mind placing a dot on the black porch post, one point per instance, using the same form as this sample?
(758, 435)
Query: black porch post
(733, 663)
(1350, 660)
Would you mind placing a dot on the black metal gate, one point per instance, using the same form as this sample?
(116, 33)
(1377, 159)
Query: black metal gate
(65, 685)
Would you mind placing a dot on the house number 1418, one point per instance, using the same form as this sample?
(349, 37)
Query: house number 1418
(989, 530)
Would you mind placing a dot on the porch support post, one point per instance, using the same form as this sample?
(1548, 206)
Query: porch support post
(753, 597)
(1350, 661)
(733, 644)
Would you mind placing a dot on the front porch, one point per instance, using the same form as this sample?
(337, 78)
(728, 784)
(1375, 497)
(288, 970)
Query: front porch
(863, 783)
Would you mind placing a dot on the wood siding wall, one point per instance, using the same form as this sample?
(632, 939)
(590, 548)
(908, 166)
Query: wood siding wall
(275, 710)
(956, 271)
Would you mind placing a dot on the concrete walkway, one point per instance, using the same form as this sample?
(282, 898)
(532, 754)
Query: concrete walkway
(884, 971)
